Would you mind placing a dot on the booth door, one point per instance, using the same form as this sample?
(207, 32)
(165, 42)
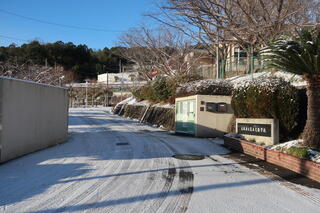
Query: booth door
(185, 116)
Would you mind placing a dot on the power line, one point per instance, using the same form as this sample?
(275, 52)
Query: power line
(58, 24)
(13, 38)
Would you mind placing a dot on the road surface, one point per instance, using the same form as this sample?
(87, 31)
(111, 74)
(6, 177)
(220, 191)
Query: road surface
(111, 164)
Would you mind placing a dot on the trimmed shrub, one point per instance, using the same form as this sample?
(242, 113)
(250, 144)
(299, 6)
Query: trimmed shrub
(267, 98)
(162, 89)
(145, 92)
(300, 152)
(205, 87)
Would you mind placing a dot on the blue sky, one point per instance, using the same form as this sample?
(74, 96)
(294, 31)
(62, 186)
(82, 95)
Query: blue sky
(113, 15)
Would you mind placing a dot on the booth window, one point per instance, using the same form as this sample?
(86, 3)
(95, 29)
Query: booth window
(222, 107)
(211, 107)
(216, 107)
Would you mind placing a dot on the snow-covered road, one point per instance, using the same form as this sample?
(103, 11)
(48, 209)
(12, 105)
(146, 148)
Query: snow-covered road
(111, 164)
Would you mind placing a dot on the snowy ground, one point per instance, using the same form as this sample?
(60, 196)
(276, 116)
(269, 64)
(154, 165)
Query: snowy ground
(114, 165)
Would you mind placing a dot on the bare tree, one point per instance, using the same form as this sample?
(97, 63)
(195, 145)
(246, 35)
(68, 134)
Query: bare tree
(249, 24)
(162, 50)
(40, 74)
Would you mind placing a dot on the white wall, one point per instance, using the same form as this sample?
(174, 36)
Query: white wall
(32, 117)
(125, 77)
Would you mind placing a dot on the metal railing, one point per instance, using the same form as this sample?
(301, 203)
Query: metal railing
(234, 66)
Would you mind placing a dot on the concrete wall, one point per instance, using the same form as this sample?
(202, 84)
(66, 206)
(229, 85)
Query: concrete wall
(32, 117)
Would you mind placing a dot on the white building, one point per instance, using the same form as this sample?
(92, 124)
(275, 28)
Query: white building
(114, 78)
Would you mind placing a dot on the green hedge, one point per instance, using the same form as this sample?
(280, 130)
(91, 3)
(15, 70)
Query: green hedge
(205, 87)
(268, 98)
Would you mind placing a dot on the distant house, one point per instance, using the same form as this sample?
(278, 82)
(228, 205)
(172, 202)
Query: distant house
(203, 62)
(235, 62)
(126, 79)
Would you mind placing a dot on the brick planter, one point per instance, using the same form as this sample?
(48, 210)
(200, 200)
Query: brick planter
(304, 167)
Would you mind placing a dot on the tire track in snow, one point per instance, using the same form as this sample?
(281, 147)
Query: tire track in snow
(185, 184)
(128, 180)
(94, 189)
(90, 193)
(169, 175)
(37, 178)
(180, 202)
(61, 194)
(116, 184)
(166, 177)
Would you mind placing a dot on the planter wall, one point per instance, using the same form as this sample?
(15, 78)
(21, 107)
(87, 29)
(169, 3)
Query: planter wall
(304, 167)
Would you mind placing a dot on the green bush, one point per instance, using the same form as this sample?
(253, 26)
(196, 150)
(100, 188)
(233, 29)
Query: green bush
(162, 89)
(267, 98)
(300, 152)
(145, 92)
(186, 77)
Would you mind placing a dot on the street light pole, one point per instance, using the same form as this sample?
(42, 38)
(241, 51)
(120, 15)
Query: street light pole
(86, 93)
(107, 99)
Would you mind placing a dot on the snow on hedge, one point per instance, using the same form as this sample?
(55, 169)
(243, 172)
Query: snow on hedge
(313, 155)
(262, 82)
(226, 86)
(295, 80)
(205, 87)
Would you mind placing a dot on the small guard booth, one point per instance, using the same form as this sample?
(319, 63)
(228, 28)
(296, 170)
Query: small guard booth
(203, 115)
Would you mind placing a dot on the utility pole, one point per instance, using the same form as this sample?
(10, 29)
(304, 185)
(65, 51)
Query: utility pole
(238, 61)
(122, 86)
(217, 61)
(107, 95)
(86, 93)
(217, 56)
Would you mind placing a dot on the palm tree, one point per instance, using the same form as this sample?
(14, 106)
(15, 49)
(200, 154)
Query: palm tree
(301, 56)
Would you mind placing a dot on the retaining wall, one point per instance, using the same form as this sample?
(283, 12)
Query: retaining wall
(32, 117)
(159, 116)
(304, 167)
